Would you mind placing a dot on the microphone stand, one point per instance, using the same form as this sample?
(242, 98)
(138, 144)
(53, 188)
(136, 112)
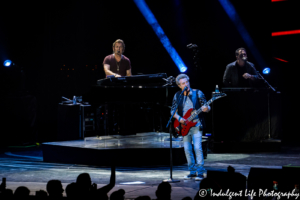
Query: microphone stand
(269, 117)
(171, 180)
(266, 82)
(194, 47)
(259, 75)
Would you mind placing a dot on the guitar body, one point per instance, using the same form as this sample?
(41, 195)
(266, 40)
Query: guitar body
(183, 129)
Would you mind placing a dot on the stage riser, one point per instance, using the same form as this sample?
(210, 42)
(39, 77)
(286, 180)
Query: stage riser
(107, 157)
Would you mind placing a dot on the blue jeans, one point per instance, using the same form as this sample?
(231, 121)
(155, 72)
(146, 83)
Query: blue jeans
(194, 136)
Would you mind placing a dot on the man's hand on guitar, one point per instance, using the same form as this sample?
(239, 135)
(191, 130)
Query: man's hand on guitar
(205, 108)
(181, 120)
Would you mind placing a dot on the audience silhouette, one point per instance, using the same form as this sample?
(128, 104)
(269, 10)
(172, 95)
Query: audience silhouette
(83, 188)
(117, 195)
(72, 190)
(41, 193)
(163, 191)
(54, 188)
(143, 198)
(22, 192)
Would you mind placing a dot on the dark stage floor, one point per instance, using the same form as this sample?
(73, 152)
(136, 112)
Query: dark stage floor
(25, 166)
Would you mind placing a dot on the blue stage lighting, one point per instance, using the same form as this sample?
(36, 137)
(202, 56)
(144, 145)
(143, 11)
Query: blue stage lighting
(266, 70)
(7, 63)
(234, 17)
(183, 69)
(144, 9)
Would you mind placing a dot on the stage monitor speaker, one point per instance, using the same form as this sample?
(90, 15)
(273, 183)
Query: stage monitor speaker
(228, 180)
(262, 179)
(291, 178)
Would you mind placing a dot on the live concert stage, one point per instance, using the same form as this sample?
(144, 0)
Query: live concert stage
(132, 150)
(75, 100)
(27, 167)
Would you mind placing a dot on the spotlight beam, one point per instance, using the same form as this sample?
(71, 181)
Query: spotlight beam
(232, 14)
(146, 12)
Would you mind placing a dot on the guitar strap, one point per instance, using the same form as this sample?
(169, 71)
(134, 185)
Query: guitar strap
(179, 103)
(194, 99)
(197, 105)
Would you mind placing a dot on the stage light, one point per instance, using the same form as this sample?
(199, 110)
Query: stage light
(7, 63)
(132, 183)
(285, 33)
(146, 12)
(281, 59)
(266, 70)
(183, 69)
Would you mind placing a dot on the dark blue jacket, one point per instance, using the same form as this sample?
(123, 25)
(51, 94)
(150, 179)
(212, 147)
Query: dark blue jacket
(231, 79)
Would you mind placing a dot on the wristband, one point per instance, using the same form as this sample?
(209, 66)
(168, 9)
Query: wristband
(179, 119)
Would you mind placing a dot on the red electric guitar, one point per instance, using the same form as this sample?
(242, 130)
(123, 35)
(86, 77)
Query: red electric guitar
(190, 115)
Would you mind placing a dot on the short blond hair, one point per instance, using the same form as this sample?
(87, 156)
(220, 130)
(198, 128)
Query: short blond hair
(181, 76)
(119, 41)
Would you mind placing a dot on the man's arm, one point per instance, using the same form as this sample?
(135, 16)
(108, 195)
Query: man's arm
(176, 116)
(203, 101)
(227, 77)
(108, 72)
(128, 72)
(252, 73)
(128, 68)
(179, 118)
(105, 189)
(252, 77)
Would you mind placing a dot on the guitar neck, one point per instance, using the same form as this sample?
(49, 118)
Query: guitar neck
(199, 110)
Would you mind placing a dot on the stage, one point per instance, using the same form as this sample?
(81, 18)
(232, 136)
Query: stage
(53, 98)
(130, 150)
(26, 166)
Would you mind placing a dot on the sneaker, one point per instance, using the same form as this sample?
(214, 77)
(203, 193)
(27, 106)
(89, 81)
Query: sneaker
(190, 176)
(199, 178)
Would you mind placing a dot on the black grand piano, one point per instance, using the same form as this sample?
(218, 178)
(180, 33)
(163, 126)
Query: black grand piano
(132, 104)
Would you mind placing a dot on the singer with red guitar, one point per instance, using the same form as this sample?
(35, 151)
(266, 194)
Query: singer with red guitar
(194, 99)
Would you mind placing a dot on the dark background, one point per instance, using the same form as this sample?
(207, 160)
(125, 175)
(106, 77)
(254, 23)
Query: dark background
(59, 48)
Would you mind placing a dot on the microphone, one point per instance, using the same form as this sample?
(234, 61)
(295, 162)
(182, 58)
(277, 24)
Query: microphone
(245, 58)
(185, 88)
(251, 65)
(190, 46)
